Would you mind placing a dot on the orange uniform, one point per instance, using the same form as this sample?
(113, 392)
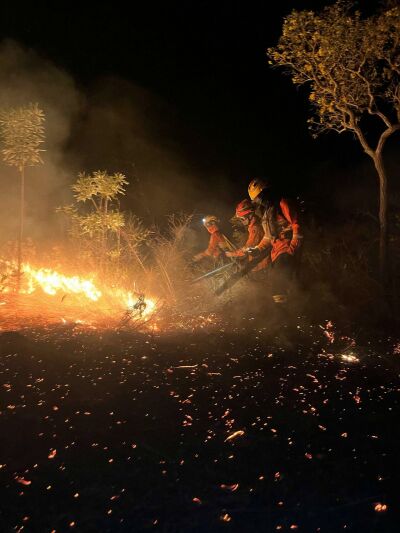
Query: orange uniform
(281, 229)
(216, 246)
(254, 237)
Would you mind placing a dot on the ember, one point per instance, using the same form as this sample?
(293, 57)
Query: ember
(350, 357)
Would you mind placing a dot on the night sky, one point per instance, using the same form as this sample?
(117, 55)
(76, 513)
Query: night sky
(230, 113)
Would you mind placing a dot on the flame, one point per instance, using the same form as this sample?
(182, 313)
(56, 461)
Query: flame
(51, 282)
(84, 294)
(129, 300)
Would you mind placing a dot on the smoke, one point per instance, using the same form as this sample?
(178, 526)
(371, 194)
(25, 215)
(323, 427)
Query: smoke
(119, 126)
(114, 125)
(127, 128)
(27, 77)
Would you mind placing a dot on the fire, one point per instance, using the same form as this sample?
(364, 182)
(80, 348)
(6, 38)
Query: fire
(79, 295)
(46, 296)
(51, 282)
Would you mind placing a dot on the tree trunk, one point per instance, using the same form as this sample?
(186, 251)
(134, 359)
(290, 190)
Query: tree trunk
(21, 227)
(378, 162)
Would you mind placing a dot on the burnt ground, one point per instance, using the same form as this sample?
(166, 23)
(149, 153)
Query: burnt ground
(129, 432)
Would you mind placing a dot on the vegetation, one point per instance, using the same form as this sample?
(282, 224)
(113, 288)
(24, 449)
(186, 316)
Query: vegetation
(351, 65)
(95, 218)
(118, 245)
(22, 134)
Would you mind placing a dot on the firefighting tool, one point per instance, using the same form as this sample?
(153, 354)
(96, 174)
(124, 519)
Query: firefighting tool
(213, 272)
(236, 276)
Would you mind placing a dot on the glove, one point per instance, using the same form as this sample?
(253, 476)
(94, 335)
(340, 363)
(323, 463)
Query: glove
(253, 251)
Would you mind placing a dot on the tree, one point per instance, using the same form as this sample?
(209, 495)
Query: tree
(352, 67)
(97, 223)
(22, 133)
(101, 189)
(103, 220)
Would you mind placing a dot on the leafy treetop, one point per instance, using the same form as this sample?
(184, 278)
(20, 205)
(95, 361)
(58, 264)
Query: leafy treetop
(351, 63)
(22, 132)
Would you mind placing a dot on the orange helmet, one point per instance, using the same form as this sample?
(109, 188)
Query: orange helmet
(256, 186)
(244, 208)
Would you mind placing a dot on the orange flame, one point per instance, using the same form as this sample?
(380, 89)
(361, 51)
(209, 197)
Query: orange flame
(52, 282)
(105, 298)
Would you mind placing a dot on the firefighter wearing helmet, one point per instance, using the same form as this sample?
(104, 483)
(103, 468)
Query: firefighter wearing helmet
(218, 244)
(282, 238)
(246, 213)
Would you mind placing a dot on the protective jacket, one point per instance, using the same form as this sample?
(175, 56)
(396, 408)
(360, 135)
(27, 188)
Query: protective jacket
(281, 229)
(217, 245)
(254, 237)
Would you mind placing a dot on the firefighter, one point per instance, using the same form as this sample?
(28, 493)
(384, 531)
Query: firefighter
(246, 213)
(282, 238)
(218, 244)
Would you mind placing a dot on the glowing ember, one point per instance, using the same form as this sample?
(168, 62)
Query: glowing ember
(230, 488)
(380, 507)
(234, 435)
(350, 357)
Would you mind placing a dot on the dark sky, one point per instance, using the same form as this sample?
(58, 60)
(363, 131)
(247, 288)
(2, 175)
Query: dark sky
(206, 60)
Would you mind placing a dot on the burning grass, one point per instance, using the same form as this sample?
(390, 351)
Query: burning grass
(49, 296)
(147, 288)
